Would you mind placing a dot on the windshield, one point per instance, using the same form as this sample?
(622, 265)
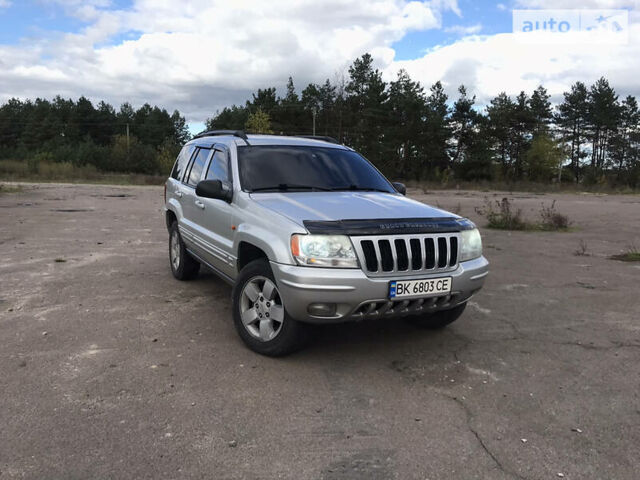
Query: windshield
(306, 168)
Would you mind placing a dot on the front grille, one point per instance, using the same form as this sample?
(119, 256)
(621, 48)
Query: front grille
(407, 254)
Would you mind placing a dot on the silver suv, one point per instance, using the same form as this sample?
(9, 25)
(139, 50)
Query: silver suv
(308, 231)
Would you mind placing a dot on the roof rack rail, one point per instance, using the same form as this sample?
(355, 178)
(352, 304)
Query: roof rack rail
(323, 138)
(214, 133)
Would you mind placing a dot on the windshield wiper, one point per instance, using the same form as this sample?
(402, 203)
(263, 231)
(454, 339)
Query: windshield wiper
(283, 187)
(356, 188)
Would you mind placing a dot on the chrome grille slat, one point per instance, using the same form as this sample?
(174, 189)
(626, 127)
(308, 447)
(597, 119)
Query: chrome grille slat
(448, 251)
(378, 258)
(437, 251)
(394, 254)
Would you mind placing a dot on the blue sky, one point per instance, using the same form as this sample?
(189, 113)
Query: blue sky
(198, 56)
(483, 13)
(24, 19)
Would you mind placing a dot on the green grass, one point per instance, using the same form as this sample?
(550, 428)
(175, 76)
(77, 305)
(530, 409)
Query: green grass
(16, 171)
(520, 186)
(9, 189)
(631, 255)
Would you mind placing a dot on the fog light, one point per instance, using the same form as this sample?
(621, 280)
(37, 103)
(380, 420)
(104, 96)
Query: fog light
(322, 309)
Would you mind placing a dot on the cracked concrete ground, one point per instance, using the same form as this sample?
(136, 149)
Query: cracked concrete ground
(110, 368)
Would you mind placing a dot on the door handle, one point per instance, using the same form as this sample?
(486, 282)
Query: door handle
(199, 204)
(178, 193)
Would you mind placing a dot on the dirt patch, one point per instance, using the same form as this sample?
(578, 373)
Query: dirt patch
(550, 346)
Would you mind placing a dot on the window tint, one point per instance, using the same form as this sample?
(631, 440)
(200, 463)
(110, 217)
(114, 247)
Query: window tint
(219, 167)
(182, 162)
(264, 167)
(199, 162)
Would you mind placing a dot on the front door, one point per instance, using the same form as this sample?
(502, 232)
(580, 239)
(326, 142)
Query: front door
(190, 228)
(215, 218)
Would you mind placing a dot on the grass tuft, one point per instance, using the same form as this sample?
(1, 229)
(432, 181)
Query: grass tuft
(4, 188)
(501, 215)
(552, 220)
(581, 251)
(632, 254)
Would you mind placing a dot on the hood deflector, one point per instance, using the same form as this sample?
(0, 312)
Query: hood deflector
(389, 226)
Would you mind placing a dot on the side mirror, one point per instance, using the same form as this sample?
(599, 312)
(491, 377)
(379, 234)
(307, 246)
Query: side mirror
(214, 189)
(400, 187)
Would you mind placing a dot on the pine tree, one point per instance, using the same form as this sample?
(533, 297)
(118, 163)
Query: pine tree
(437, 129)
(541, 111)
(603, 118)
(572, 119)
(406, 126)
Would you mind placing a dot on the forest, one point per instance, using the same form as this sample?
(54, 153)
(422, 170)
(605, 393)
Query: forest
(407, 130)
(63, 131)
(410, 133)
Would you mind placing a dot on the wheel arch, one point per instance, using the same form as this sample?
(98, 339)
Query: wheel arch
(170, 217)
(248, 252)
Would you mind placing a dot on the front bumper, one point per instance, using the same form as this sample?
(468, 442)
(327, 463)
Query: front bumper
(358, 296)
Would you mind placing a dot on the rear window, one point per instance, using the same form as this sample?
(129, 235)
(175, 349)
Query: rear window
(182, 162)
(264, 167)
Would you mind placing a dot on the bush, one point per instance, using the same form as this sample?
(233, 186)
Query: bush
(543, 159)
(552, 219)
(131, 156)
(166, 157)
(501, 215)
(33, 164)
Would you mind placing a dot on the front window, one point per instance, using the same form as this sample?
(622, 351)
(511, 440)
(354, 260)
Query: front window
(306, 168)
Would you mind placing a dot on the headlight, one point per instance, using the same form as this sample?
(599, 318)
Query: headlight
(471, 245)
(324, 251)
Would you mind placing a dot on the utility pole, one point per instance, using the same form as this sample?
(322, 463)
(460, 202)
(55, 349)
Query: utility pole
(314, 111)
(560, 172)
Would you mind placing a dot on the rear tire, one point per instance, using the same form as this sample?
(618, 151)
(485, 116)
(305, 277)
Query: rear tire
(437, 320)
(183, 265)
(259, 314)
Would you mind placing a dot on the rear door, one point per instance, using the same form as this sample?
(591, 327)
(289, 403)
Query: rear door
(190, 229)
(214, 217)
(174, 183)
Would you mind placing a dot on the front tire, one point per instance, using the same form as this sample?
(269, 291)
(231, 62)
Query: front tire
(259, 314)
(437, 320)
(183, 265)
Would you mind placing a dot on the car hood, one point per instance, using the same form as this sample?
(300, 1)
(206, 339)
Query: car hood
(333, 206)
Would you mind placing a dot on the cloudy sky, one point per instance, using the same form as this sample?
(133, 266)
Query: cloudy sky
(198, 56)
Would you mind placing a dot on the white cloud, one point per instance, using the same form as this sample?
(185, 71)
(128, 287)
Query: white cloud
(5, 3)
(582, 4)
(488, 65)
(202, 55)
(464, 30)
(206, 54)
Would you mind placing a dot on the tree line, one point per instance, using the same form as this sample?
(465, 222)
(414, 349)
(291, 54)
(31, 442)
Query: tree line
(412, 133)
(146, 140)
(407, 131)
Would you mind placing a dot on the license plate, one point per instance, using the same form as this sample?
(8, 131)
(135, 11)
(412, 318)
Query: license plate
(419, 288)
